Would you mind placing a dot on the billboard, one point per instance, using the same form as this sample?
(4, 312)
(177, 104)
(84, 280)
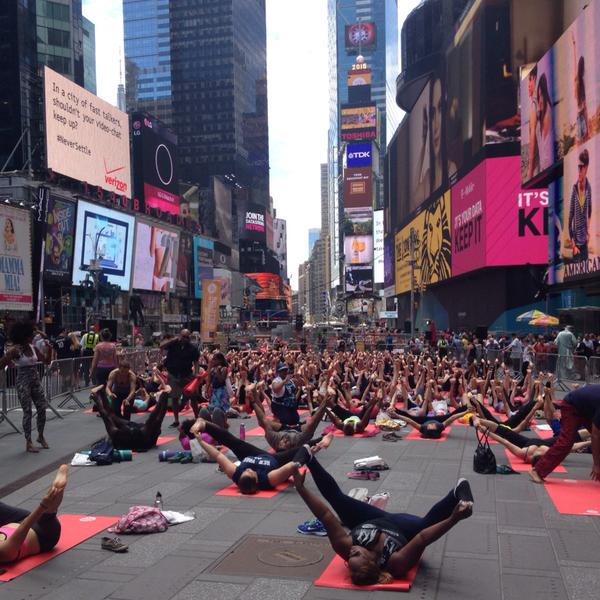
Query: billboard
(359, 155)
(432, 252)
(358, 221)
(359, 280)
(155, 163)
(155, 262)
(360, 76)
(358, 249)
(360, 37)
(389, 276)
(203, 262)
(271, 286)
(223, 276)
(358, 188)
(184, 263)
(360, 306)
(15, 259)
(223, 207)
(378, 252)
(358, 122)
(560, 97)
(86, 138)
(60, 240)
(494, 221)
(575, 244)
(105, 235)
(211, 294)
(252, 222)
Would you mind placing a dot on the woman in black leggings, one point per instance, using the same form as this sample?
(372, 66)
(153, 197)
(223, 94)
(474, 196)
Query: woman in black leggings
(381, 546)
(258, 470)
(516, 421)
(24, 533)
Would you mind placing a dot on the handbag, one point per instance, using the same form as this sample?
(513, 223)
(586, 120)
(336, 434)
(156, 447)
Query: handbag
(141, 519)
(484, 460)
(102, 453)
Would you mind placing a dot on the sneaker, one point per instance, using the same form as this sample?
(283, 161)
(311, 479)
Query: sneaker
(113, 545)
(174, 424)
(312, 527)
(462, 490)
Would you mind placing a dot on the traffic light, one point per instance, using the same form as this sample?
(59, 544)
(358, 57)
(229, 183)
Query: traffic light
(299, 322)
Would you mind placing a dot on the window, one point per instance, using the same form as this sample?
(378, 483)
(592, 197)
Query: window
(57, 37)
(60, 12)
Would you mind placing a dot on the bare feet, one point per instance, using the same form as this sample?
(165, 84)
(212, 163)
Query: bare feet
(60, 480)
(324, 443)
(535, 477)
(29, 447)
(54, 495)
(42, 442)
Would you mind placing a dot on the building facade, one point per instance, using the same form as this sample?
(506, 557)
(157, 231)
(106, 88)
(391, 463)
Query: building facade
(89, 55)
(314, 233)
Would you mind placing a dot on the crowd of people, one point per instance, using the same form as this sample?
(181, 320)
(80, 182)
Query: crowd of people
(423, 387)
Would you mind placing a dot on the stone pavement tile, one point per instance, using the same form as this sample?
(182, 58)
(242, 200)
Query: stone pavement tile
(281, 523)
(233, 525)
(548, 586)
(516, 487)
(577, 545)
(78, 589)
(170, 490)
(207, 589)
(204, 516)
(532, 552)
(438, 478)
(147, 551)
(325, 593)
(468, 579)
(476, 536)
(282, 589)
(582, 584)
(107, 485)
(164, 580)
(484, 490)
(520, 514)
(400, 481)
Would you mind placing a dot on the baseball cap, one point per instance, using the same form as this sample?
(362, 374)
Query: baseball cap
(282, 367)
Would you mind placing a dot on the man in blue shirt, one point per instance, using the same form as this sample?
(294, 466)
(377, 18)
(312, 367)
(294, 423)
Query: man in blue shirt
(580, 210)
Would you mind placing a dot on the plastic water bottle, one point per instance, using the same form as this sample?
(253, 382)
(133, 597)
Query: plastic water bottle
(242, 431)
(158, 503)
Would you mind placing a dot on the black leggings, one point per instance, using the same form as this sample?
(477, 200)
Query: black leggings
(520, 440)
(513, 420)
(343, 413)
(47, 527)
(439, 418)
(243, 449)
(354, 512)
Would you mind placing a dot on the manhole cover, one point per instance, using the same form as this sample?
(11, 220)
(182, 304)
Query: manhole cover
(274, 556)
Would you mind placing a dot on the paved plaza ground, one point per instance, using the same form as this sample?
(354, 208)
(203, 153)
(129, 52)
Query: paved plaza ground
(515, 546)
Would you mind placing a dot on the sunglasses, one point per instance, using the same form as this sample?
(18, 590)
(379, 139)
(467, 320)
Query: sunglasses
(582, 167)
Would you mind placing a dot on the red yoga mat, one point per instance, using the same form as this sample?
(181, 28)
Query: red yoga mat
(416, 435)
(165, 439)
(518, 464)
(574, 497)
(336, 575)
(370, 431)
(544, 434)
(233, 490)
(75, 529)
(255, 432)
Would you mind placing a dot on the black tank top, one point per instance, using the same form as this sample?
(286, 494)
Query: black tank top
(365, 535)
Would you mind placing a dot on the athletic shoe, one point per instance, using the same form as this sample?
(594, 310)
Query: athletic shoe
(113, 545)
(312, 527)
(462, 490)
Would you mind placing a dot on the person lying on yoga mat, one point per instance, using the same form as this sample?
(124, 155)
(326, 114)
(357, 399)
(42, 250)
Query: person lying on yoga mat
(258, 470)
(130, 435)
(286, 439)
(528, 449)
(346, 421)
(381, 546)
(24, 533)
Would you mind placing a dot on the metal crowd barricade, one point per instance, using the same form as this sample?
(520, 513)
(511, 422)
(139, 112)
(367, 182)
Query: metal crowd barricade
(593, 374)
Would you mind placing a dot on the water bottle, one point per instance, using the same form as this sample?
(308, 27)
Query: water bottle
(242, 431)
(158, 503)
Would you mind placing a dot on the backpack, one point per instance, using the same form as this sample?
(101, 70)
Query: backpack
(484, 460)
(141, 519)
(102, 453)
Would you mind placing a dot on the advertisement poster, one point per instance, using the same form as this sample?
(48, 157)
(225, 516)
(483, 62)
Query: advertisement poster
(223, 203)
(203, 263)
(86, 138)
(359, 280)
(360, 36)
(15, 259)
(184, 263)
(358, 123)
(378, 250)
(358, 188)
(60, 240)
(270, 286)
(360, 306)
(419, 150)
(358, 249)
(252, 222)
(576, 216)
(223, 276)
(432, 247)
(389, 276)
(359, 155)
(104, 235)
(211, 295)
(358, 221)
(155, 160)
(155, 261)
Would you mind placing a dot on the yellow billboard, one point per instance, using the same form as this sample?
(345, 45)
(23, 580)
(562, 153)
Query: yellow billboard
(432, 242)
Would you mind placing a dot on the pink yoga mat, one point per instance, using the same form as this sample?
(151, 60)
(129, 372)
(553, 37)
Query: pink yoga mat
(75, 529)
(518, 464)
(336, 575)
(574, 497)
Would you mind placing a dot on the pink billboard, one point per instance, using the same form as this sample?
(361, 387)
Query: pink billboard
(495, 222)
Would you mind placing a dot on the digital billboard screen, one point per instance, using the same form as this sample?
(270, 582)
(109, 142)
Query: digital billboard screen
(359, 280)
(252, 222)
(378, 248)
(155, 163)
(155, 263)
(86, 138)
(358, 122)
(270, 284)
(358, 188)
(59, 242)
(358, 221)
(203, 258)
(359, 155)
(358, 249)
(105, 235)
(360, 37)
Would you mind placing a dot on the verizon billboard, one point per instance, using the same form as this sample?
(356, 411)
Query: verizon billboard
(86, 138)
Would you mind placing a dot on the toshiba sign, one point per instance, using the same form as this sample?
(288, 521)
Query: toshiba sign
(86, 138)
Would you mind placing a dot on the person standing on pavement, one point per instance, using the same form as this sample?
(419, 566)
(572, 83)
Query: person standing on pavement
(579, 407)
(88, 345)
(181, 363)
(105, 358)
(565, 345)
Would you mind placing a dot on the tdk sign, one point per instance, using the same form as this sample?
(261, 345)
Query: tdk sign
(358, 155)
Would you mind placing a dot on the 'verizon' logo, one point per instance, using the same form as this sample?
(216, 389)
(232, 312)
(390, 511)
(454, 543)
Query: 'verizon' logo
(112, 179)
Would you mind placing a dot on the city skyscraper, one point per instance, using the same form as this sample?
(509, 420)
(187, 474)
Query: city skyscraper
(89, 55)
(324, 201)
(368, 28)
(313, 235)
